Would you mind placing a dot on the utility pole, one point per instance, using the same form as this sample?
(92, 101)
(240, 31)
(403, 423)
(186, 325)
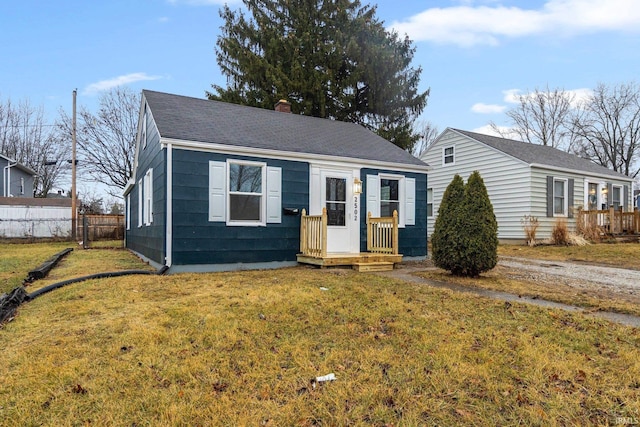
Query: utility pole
(74, 215)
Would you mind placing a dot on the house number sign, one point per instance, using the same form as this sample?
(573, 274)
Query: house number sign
(355, 208)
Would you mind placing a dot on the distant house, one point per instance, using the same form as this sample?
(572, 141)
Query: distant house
(523, 179)
(16, 180)
(218, 186)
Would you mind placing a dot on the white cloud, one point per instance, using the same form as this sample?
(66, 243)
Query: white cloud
(487, 108)
(163, 19)
(468, 25)
(507, 132)
(512, 96)
(103, 85)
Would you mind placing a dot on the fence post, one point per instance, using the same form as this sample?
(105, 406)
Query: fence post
(85, 231)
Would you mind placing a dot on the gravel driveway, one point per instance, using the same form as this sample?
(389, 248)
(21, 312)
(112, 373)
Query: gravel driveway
(583, 276)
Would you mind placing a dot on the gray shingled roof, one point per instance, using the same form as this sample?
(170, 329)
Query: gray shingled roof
(541, 154)
(201, 120)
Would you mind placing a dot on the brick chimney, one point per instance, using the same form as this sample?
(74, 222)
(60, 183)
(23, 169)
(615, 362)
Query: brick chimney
(283, 106)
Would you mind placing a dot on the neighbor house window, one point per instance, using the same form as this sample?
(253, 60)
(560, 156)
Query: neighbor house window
(245, 194)
(592, 196)
(128, 219)
(448, 155)
(429, 202)
(21, 185)
(560, 197)
(616, 196)
(389, 196)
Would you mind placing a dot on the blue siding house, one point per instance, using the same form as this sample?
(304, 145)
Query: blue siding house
(219, 186)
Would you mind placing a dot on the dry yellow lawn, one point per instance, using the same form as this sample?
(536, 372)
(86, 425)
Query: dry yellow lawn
(241, 348)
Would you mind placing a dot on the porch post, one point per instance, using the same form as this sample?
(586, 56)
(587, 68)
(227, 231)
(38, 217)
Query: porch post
(324, 232)
(395, 232)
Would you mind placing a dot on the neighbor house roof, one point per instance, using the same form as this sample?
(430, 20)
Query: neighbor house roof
(19, 165)
(542, 155)
(201, 120)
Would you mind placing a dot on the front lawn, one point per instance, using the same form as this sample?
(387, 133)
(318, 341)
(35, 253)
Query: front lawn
(241, 349)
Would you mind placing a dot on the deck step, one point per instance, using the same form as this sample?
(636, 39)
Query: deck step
(373, 266)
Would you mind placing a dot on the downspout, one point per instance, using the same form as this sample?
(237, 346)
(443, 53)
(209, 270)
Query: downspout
(169, 214)
(7, 173)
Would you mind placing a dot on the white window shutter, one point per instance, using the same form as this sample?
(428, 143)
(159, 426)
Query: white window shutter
(217, 191)
(140, 202)
(373, 195)
(410, 201)
(274, 195)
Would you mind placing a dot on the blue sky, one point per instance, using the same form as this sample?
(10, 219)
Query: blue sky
(475, 55)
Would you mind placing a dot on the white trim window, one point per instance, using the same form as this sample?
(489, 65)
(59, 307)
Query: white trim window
(143, 137)
(616, 196)
(430, 202)
(128, 212)
(448, 156)
(244, 193)
(386, 193)
(148, 198)
(21, 185)
(560, 197)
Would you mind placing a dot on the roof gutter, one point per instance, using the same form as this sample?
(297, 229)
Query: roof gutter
(290, 155)
(7, 172)
(582, 172)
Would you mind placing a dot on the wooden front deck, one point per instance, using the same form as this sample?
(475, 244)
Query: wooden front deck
(382, 244)
(611, 221)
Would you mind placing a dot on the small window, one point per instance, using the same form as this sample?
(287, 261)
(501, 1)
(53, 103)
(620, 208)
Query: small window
(448, 155)
(389, 197)
(336, 198)
(429, 202)
(245, 192)
(144, 130)
(128, 213)
(560, 197)
(140, 202)
(21, 185)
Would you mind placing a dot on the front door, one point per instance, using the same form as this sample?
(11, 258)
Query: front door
(334, 191)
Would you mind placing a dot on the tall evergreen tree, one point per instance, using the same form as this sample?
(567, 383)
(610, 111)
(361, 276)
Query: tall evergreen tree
(331, 59)
(480, 228)
(446, 238)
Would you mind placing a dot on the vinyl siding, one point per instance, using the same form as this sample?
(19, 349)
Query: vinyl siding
(198, 241)
(507, 180)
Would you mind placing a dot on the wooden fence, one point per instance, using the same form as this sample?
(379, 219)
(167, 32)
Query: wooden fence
(101, 227)
(611, 221)
(382, 234)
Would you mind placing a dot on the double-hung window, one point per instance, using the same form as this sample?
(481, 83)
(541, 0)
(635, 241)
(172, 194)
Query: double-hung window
(388, 193)
(560, 207)
(245, 192)
(448, 156)
(389, 196)
(430, 202)
(148, 198)
(616, 196)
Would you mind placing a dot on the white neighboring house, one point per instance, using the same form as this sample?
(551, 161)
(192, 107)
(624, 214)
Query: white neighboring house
(522, 179)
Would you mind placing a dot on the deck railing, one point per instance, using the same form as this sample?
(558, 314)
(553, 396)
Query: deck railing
(313, 234)
(382, 234)
(611, 221)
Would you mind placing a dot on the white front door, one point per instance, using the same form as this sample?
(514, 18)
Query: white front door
(334, 191)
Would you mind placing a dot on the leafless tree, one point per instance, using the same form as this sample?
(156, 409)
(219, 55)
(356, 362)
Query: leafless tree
(25, 137)
(607, 127)
(428, 133)
(106, 140)
(541, 117)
